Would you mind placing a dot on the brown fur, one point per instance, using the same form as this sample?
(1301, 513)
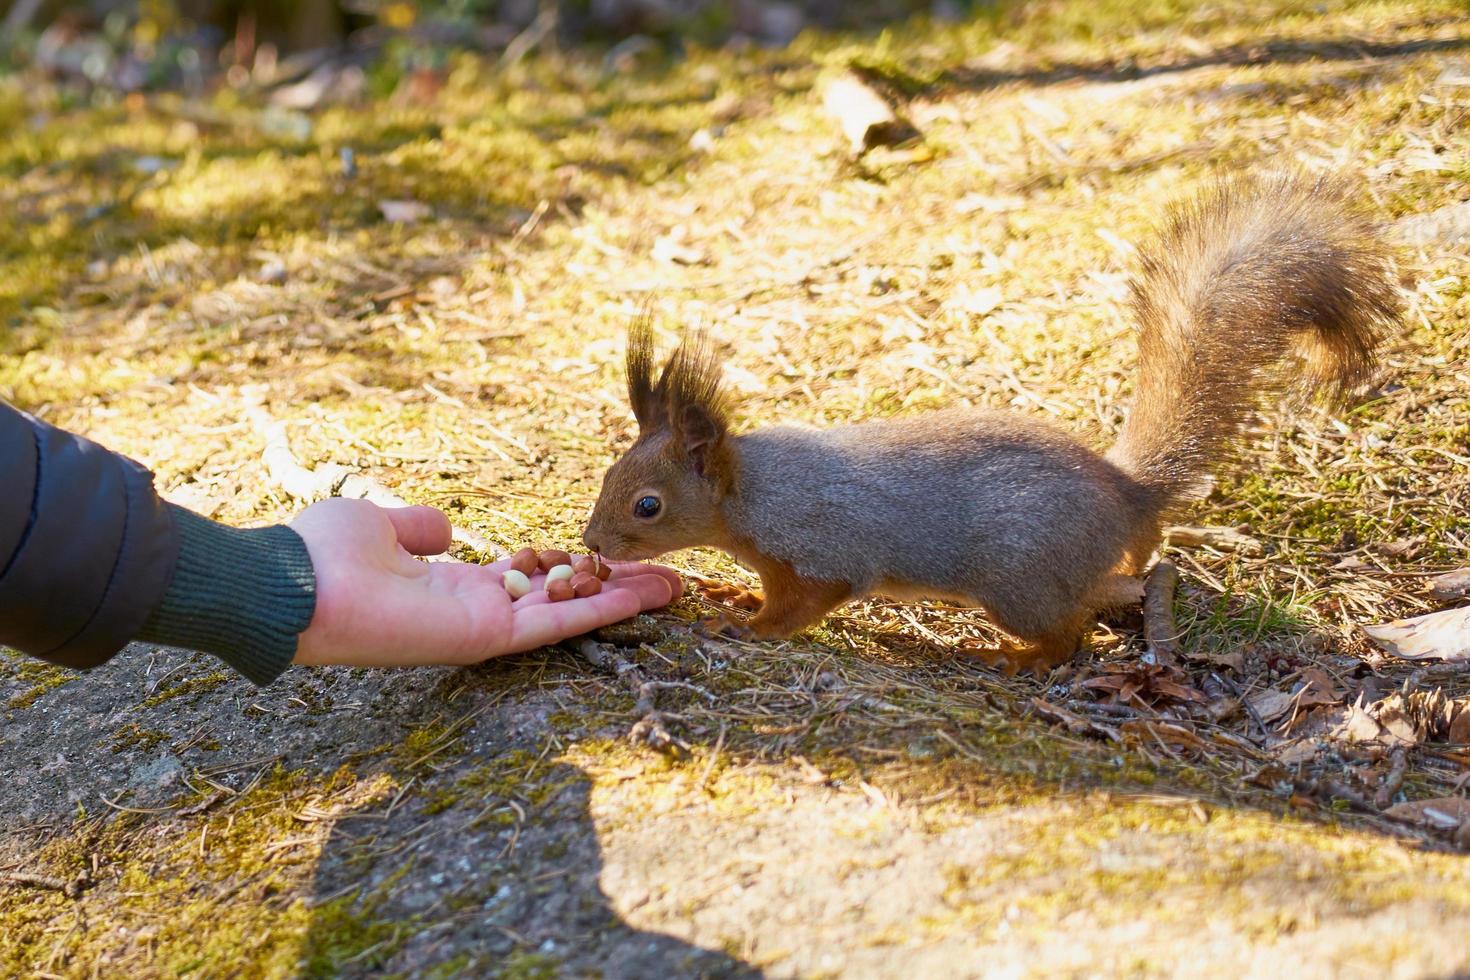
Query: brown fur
(1033, 527)
(1252, 271)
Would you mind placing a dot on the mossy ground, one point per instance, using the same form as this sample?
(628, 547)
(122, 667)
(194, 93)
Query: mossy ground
(864, 800)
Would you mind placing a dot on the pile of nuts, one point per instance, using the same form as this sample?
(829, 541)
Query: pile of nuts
(566, 577)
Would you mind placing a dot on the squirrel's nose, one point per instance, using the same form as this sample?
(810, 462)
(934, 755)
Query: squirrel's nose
(589, 540)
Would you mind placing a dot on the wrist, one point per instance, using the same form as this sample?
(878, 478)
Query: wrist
(244, 595)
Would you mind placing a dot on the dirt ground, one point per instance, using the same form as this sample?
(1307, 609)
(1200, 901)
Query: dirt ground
(868, 799)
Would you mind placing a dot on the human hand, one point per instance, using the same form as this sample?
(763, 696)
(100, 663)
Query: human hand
(377, 606)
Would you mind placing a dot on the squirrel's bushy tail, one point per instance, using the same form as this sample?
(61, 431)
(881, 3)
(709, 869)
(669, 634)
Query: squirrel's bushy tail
(1252, 271)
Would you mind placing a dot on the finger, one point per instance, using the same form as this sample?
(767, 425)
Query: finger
(535, 597)
(421, 530)
(540, 623)
(624, 569)
(538, 595)
(549, 622)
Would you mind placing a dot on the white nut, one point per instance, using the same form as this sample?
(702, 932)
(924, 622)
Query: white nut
(516, 584)
(558, 573)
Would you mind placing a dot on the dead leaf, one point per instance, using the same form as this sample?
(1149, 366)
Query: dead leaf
(1397, 724)
(1390, 722)
(1441, 813)
(1221, 538)
(1458, 731)
(1359, 726)
(1303, 750)
(1443, 226)
(1233, 661)
(1439, 635)
(1400, 547)
(1317, 690)
(1270, 704)
(1451, 585)
(973, 202)
(1318, 687)
(1146, 683)
(404, 212)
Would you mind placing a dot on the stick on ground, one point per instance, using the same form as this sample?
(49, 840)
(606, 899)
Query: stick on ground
(1159, 628)
(334, 480)
(1219, 538)
(649, 728)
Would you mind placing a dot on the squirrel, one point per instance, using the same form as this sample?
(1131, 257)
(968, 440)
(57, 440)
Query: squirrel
(997, 510)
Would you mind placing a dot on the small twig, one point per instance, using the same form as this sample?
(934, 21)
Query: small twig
(1333, 788)
(334, 480)
(1249, 708)
(71, 889)
(649, 729)
(1159, 628)
(203, 804)
(1394, 780)
(1220, 538)
(709, 767)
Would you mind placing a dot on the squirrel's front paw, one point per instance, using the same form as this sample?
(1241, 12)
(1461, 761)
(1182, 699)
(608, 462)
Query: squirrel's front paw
(729, 594)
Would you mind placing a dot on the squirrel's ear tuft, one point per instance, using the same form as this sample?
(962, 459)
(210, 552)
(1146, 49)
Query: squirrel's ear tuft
(690, 378)
(649, 407)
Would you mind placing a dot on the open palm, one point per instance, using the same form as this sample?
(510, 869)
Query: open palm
(379, 606)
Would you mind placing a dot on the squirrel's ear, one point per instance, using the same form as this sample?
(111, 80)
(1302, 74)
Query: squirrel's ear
(701, 436)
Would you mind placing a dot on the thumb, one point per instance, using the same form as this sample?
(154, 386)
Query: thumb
(421, 530)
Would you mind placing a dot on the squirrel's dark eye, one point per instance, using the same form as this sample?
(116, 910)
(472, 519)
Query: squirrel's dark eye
(647, 507)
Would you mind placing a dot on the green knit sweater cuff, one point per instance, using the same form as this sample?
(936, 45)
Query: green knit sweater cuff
(242, 595)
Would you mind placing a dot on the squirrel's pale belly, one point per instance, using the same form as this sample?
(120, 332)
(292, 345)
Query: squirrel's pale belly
(911, 592)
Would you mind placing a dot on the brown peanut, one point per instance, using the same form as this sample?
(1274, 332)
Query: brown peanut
(525, 561)
(552, 558)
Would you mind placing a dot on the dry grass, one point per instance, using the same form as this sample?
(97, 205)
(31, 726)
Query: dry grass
(472, 360)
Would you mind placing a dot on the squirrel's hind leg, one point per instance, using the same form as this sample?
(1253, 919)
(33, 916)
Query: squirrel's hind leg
(1038, 655)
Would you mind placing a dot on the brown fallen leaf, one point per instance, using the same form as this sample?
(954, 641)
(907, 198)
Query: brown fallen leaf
(1441, 813)
(1451, 585)
(1318, 687)
(1458, 730)
(1317, 690)
(1270, 704)
(1146, 683)
(1441, 635)
(1390, 722)
(1304, 750)
(1221, 538)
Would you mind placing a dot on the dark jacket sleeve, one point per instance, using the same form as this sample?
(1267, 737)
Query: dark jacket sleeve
(91, 559)
(86, 547)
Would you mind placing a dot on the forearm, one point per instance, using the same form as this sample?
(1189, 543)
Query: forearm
(242, 595)
(91, 558)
